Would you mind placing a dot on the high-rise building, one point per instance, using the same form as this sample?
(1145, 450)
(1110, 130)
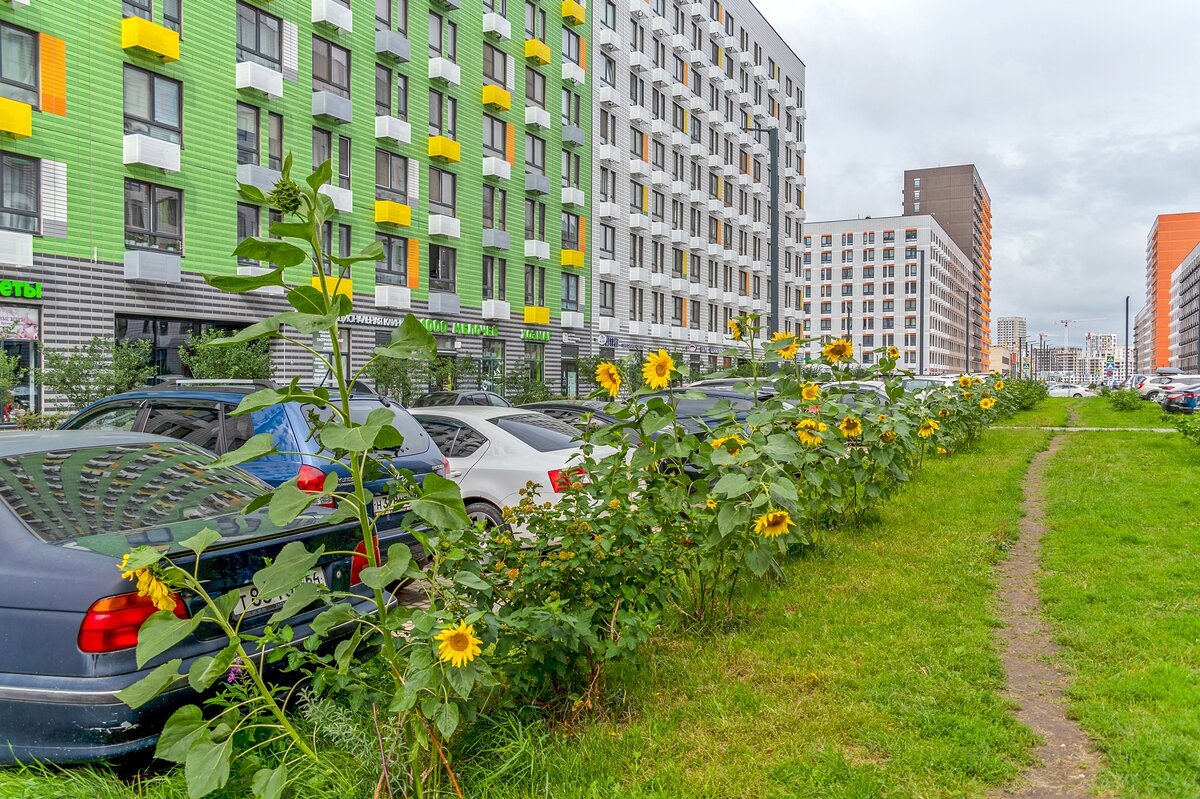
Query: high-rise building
(683, 95)
(883, 282)
(956, 197)
(1011, 331)
(1185, 313)
(1171, 238)
(1143, 341)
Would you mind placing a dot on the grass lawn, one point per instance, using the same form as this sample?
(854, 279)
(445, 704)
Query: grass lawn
(1097, 412)
(1053, 412)
(1122, 556)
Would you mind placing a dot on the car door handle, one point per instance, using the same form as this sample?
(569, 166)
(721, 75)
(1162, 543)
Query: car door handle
(456, 473)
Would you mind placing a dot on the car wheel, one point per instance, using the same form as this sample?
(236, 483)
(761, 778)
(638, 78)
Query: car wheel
(487, 513)
(1152, 396)
(1076, 395)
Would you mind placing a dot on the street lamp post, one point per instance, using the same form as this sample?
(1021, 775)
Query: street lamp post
(773, 146)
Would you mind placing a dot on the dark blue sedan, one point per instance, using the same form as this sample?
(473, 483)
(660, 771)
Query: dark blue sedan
(71, 503)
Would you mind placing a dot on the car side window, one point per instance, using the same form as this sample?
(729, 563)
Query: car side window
(467, 442)
(199, 425)
(476, 399)
(121, 417)
(497, 401)
(454, 439)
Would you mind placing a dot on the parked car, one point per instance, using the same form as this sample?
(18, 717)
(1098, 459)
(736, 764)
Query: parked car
(699, 415)
(925, 382)
(1153, 388)
(71, 503)
(1181, 400)
(494, 452)
(858, 394)
(1069, 390)
(438, 399)
(199, 412)
(581, 414)
(766, 386)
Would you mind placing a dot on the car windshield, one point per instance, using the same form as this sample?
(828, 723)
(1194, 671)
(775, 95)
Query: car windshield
(134, 491)
(690, 408)
(416, 440)
(538, 431)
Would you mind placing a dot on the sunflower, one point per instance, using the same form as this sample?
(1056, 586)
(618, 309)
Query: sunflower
(808, 431)
(928, 428)
(657, 369)
(968, 395)
(773, 523)
(148, 585)
(710, 503)
(458, 646)
(999, 386)
(888, 436)
(735, 330)
(608, 377)
(788, 353)
(943, 451)
(811, 392)
(893, 353)
(987, 403)
(977, 380)
(944, 413)
(964, 381)
(838, 350)
(732, 449)
(851, 427)
(882, 417)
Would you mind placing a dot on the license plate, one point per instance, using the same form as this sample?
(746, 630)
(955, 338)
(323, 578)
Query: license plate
(251, 603)
(385, 506)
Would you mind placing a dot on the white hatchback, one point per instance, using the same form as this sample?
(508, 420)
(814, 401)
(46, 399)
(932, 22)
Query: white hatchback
(494, 452)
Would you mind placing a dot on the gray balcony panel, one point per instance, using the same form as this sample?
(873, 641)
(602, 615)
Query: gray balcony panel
(496, 239)
(331, 106)
(537, 184)
(394, 44)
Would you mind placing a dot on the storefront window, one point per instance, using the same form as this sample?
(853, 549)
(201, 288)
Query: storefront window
(20, 339)
(324, 344)
(166, 336)
(535, 360)
(491, 367)
(570, 370)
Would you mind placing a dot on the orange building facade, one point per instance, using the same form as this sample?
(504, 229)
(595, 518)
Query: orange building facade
(1172, 237)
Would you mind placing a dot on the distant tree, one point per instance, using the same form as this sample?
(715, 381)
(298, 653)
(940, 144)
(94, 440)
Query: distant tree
(11, 374)
(250, 361)
(98, 369)
(522, 387)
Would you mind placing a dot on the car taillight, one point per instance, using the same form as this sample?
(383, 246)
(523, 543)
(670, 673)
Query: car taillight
(111, 624)
(360, 562)
(312, 480)
(561, 479)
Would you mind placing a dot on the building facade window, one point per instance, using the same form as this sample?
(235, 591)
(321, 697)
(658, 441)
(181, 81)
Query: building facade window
(495, 66)
(153, 217)
(495, 208)
(18, 64)
(330, 67)
(153, 105)
(535, 285)
(391, 177)
(570, 292)
(247, 134)
(494, 277)
(20, 193)
(392, 268)
(535, 154)
(442, 192)
(535, 220)
(247, 225)
(535, 87)
(442, 262)
(443, 38)
(570, 231)
(443, 115)
(495, 137)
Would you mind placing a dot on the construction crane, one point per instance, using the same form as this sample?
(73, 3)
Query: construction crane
(1066, 323)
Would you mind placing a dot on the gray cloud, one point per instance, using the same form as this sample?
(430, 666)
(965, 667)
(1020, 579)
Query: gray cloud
(1081, 117)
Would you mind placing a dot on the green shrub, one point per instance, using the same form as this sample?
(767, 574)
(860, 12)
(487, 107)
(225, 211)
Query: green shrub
(248, 361)
(1125, 399)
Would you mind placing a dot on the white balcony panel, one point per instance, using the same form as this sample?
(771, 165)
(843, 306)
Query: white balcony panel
(443, 225)
(252, 76)
(398, 297)
(397, 130)
(496, 309)
(333, 14)
(148, 151)
(537, 249)
(445, 70)
(496, 24)
(343, 199)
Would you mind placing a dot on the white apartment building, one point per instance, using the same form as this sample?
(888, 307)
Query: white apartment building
(680, 188)
(1011, 332)
(894, 281)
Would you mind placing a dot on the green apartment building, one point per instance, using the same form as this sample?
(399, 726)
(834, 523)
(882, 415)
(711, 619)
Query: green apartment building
(459, 135)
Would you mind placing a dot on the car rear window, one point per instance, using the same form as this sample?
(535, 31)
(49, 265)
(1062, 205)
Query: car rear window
(435, 400)
(539, 431)
(416, 440)
(704, 407)
(125, 489)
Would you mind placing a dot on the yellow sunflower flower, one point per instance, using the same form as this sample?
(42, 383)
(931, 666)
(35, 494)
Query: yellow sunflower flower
(851, 427)
(710, 503)
(657, 369)
(773, 523)
(893, 353)
(928, 428)
(811, 392)
(977, 380)
(735, 330)
(458, 646)
(808, 432)
(788, 353)
(732, 448)
(148, 585)
(943, 451)
(838, 350)
(888, 436)
(987, 403)
(964, 381)
(608, 376)
(999, 386)
(944, 413)
(882, 417)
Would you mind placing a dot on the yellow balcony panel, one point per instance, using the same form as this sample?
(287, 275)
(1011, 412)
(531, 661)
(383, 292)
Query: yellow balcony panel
(16, 118)
(572, 12)
(392, 213)
(537, 50)
(442, 147)
(142, 34)
(343, 286)
(497, 97)
(572, 258)
(537, 315)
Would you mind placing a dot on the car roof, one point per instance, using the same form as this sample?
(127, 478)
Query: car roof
(471, 411)
(597, 406)
(24, 443)
(216, 391)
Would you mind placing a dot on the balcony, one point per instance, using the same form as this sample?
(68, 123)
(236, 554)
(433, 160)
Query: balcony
(573, 13)
(640, 61)
(496, 239)
(392, 44)
(154, 40)
(537, 117)
(678, 333)
(152, 266)
(680, 43)
(494, 167)
(573, 135)
(445, 225)
(333, 107)
(391, 128)
(609, 153)
(573, 72)
(444, 303)
(572, 320)
(660, 230)
(257, 176)
(537, 249)
(148, 151)
(658, 24)
(639, 113)
(343, 199)
(639, 168)
(254, 77)
(332, 14)
(607, 95)
(497, 25)
(537, 315)
(398, 297)
(658, 280)
(639, 221)
(639, 328)
(658, 331)
(497, 97)
(660, 76)
(639, 8)
(16, 249)
(607, 266)
(608, 39)
(445, 70)
(660, 127)
(608, 324)
(537, 51)
(444, 148)
(572, 258)
(496, 310)
(640, 275)
(573, 196)
(536, 183)
(16, 118)
(607, 210)
(392, 213)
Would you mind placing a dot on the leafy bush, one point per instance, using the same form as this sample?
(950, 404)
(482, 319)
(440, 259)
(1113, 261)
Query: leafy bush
(29, 420)
(1125, 399)
(248, 361)
(98, 369)
(11, 374)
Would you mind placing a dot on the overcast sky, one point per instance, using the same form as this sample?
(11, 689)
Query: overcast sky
(1083, 119)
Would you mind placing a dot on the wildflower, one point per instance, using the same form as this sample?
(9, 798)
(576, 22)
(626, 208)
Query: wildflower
(735, 330)
(943, 451)
(773, 523)
(615, 504)
(893, 353)
(888, 436)
(928, 428)
(148, 585)
(733, 448)
(710, 503)
(999, 385)
(657, 369)
(944, 413)
(608, 376)
(808, 430)
(458, 646)
(838, 350)
(514, 574)
(987, 403)
(811, 392)
(235, 671)
(851, 427)
(882, 417)
(964, 381)
(976, 380)
(788, 353)
(968, 395)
